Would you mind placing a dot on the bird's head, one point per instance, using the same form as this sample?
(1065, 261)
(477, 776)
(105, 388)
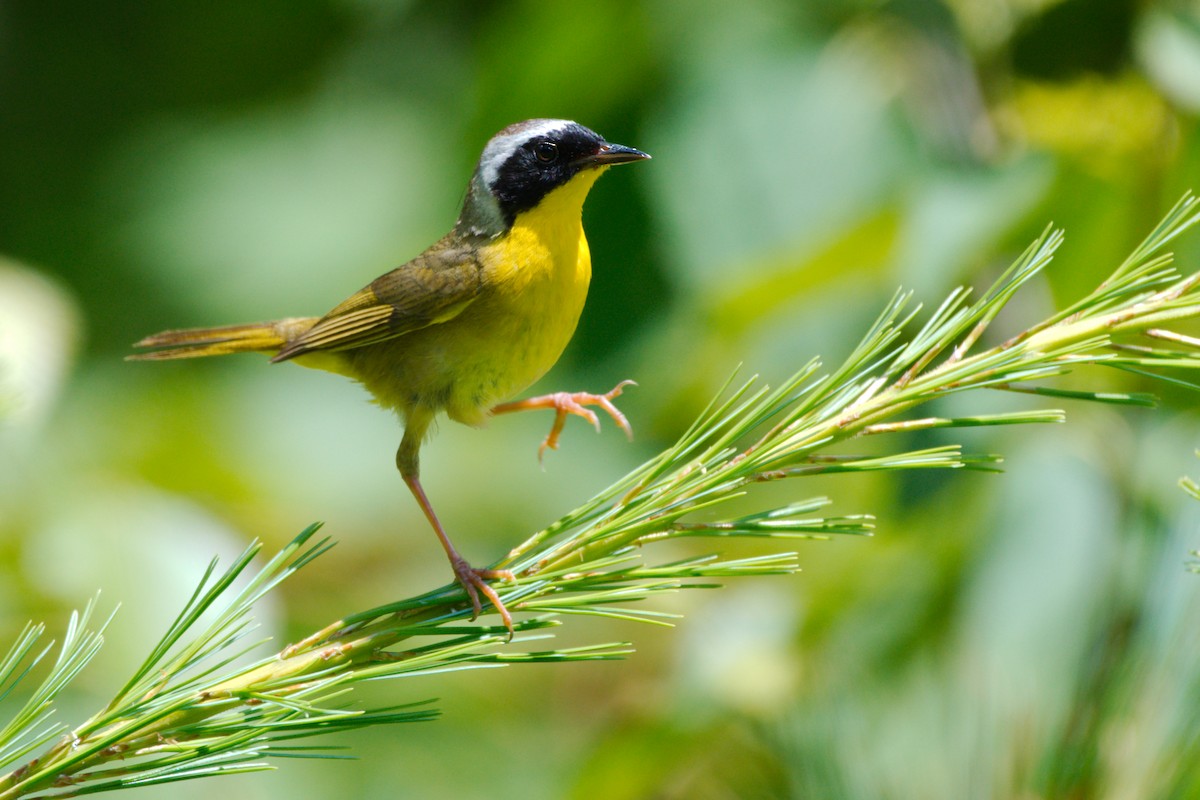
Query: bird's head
(527, 161)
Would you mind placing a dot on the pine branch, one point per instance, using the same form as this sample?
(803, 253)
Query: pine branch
(189, 712)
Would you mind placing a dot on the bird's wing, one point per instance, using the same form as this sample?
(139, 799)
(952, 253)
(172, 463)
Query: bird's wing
(434, 287)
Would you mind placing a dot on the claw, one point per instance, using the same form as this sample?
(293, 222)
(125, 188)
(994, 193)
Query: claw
(475, 581)
(566, 403)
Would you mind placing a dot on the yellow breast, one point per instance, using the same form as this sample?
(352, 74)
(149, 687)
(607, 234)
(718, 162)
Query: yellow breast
(537, 276)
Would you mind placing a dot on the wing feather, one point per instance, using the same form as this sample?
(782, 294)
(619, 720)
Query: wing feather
(432, 288)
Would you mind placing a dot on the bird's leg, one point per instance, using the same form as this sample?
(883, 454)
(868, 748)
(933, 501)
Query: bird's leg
(576, 403)
(472, 580)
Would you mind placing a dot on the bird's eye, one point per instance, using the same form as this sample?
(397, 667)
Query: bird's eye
(545, 151)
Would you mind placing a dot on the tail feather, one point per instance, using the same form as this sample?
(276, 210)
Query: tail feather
(258, 337)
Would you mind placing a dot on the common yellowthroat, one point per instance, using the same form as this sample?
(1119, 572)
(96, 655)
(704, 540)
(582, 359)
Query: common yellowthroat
(469, 323)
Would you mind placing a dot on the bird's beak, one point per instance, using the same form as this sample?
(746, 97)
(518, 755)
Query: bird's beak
(610, 154)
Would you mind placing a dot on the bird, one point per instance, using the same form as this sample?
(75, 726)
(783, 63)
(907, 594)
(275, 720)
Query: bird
(468, 324)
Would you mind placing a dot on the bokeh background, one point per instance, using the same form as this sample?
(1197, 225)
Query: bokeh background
(1033, 633)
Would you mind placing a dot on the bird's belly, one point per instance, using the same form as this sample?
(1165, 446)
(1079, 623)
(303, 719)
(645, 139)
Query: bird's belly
(510, 350)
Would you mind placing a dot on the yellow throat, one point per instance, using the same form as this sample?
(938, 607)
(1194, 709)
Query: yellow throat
(548, 241)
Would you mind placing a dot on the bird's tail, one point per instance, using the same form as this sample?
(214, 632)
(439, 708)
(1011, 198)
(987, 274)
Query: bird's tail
(257, 337)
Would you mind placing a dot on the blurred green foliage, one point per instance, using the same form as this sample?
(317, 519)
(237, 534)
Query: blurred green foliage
(170, 164)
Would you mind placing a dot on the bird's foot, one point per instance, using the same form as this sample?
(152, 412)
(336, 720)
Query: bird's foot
(475, 581)
(565, 403)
